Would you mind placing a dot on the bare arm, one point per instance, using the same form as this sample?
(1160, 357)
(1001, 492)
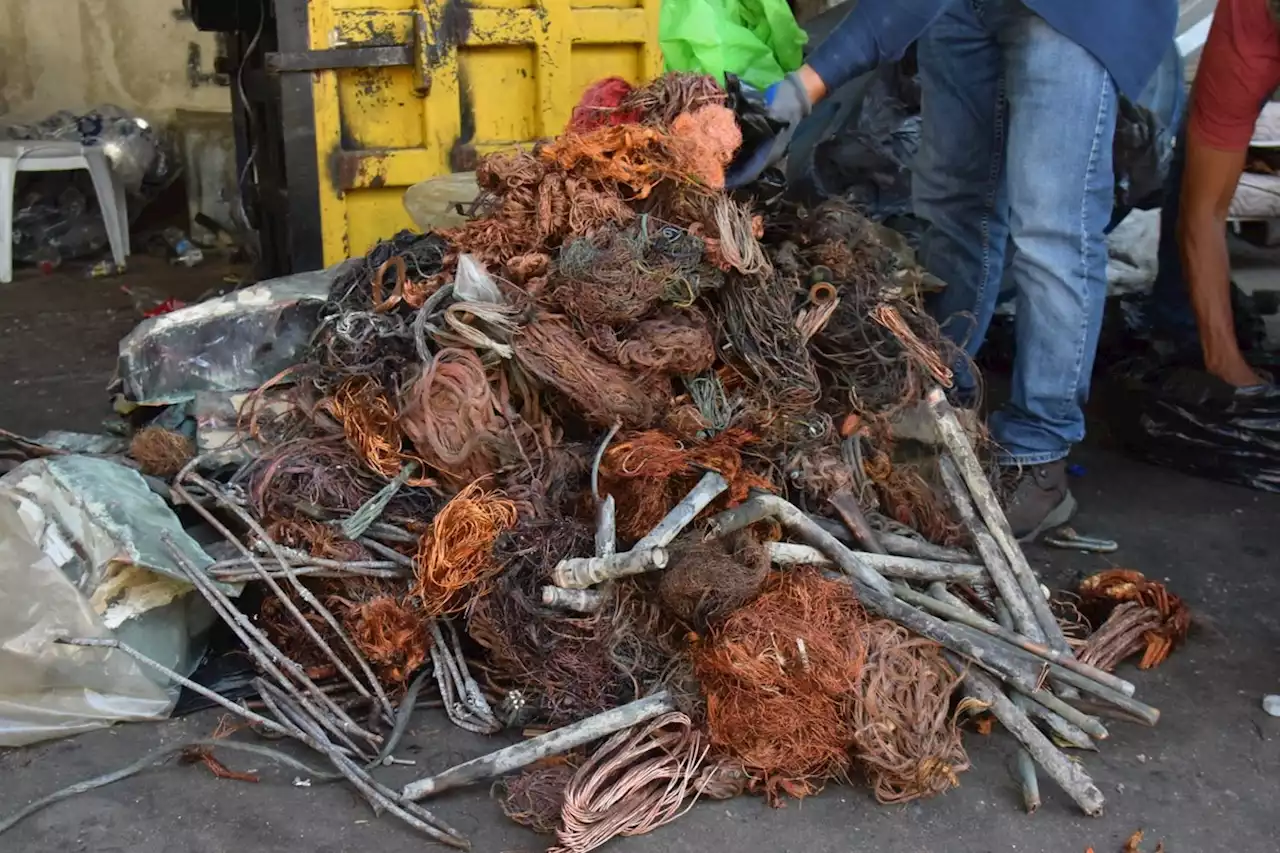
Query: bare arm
(1208, 184)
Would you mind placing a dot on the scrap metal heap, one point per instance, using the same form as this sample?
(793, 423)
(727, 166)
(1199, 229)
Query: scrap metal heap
(615, 460)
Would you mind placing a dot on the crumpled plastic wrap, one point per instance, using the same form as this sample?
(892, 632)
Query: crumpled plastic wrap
(56, 213)
(1187, 420)
(235, 342)
(83, 554)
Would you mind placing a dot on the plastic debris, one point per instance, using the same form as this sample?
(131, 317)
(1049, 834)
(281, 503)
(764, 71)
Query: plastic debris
(232, 343)
(84, 551)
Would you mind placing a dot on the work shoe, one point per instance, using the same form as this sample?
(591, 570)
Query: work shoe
(1036, 498)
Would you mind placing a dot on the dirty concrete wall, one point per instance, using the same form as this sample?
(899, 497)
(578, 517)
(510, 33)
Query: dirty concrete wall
(75, 54)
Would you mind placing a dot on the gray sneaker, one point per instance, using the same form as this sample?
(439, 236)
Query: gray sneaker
(1037, 498)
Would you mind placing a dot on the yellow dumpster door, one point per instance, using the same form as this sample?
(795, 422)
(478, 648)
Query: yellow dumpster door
(446, 82)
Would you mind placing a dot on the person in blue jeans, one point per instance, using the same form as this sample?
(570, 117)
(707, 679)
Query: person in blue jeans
(1019, 103)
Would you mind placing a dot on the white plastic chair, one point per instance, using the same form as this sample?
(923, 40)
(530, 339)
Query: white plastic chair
(58, 156)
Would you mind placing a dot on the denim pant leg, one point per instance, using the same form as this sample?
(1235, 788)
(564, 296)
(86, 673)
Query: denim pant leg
(958, 176)
(1061, 120)
(1168, 307)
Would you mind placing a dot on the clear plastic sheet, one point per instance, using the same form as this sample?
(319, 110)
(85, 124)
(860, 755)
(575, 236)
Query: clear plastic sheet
(235, 342)
(83, 554)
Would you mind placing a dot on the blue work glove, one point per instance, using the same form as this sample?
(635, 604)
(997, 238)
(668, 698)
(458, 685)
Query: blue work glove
(788, 103)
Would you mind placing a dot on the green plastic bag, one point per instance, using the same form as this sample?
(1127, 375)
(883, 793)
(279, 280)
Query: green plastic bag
(758, 40)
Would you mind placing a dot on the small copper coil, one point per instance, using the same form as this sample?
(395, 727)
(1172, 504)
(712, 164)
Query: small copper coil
(381, 306)
(822, 293)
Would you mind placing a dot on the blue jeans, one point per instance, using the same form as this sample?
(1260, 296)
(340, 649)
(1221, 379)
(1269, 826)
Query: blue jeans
(1017, 127)
(1168, 308)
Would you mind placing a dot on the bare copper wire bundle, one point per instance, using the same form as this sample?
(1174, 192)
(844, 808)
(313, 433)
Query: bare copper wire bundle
(905, 736)
(568, 666)
(387, 626)
(452, 417)
(635, 158)
(370, 425)
(780, 676)
(757, 326)
(552, 351)
(323, 473)
(292, 640)
(618, 275)
(636, 781)
(313, 537)
(534, 797)
(707, 580)
(454, 562)
(161, 452)
(908, 498)
(528, 208)
(1161, 624)
(889, 317)
(675, 343)
(664, 99)
(710, 136)
(733, 237)
(648, 472)
(820, 472)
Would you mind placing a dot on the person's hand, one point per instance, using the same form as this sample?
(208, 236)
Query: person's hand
(788, 102)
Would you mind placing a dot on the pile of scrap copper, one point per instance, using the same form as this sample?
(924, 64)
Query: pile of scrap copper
(616, 461)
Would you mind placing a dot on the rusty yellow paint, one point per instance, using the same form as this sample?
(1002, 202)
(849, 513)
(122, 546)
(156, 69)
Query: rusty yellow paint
(515, 77)
(328, 127)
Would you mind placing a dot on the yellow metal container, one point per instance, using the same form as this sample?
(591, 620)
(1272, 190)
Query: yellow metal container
(424, 88)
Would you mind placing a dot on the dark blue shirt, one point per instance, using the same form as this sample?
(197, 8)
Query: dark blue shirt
(1129, 37)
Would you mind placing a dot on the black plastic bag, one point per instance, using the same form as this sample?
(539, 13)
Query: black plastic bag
(859, 142)
(1185, 419)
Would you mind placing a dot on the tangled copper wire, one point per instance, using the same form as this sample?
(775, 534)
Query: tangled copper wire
(557, 355)
(314, 537)
(676, 343)
(780, 677)
(371, 426)
(452, 417)
(634, 158)
(619, 275)
(820, 472)
(707, 580)
(534, 797)
(388, 627)
(637, 781)
(454, 562)
(905, 736)
(709, 137)
(908, 498)
(531, 207)
(563, 663)
(758, 328)
(161, 452)
(609, 279)
(648, 472)
(666, 98)
(319, 472)
(1161, 621)
(889, 317)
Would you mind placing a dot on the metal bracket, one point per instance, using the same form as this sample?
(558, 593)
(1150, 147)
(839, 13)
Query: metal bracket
(339, 57)
(382, 56)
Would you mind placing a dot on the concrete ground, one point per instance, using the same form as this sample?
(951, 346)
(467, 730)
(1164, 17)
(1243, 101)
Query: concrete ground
(1207, 778)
